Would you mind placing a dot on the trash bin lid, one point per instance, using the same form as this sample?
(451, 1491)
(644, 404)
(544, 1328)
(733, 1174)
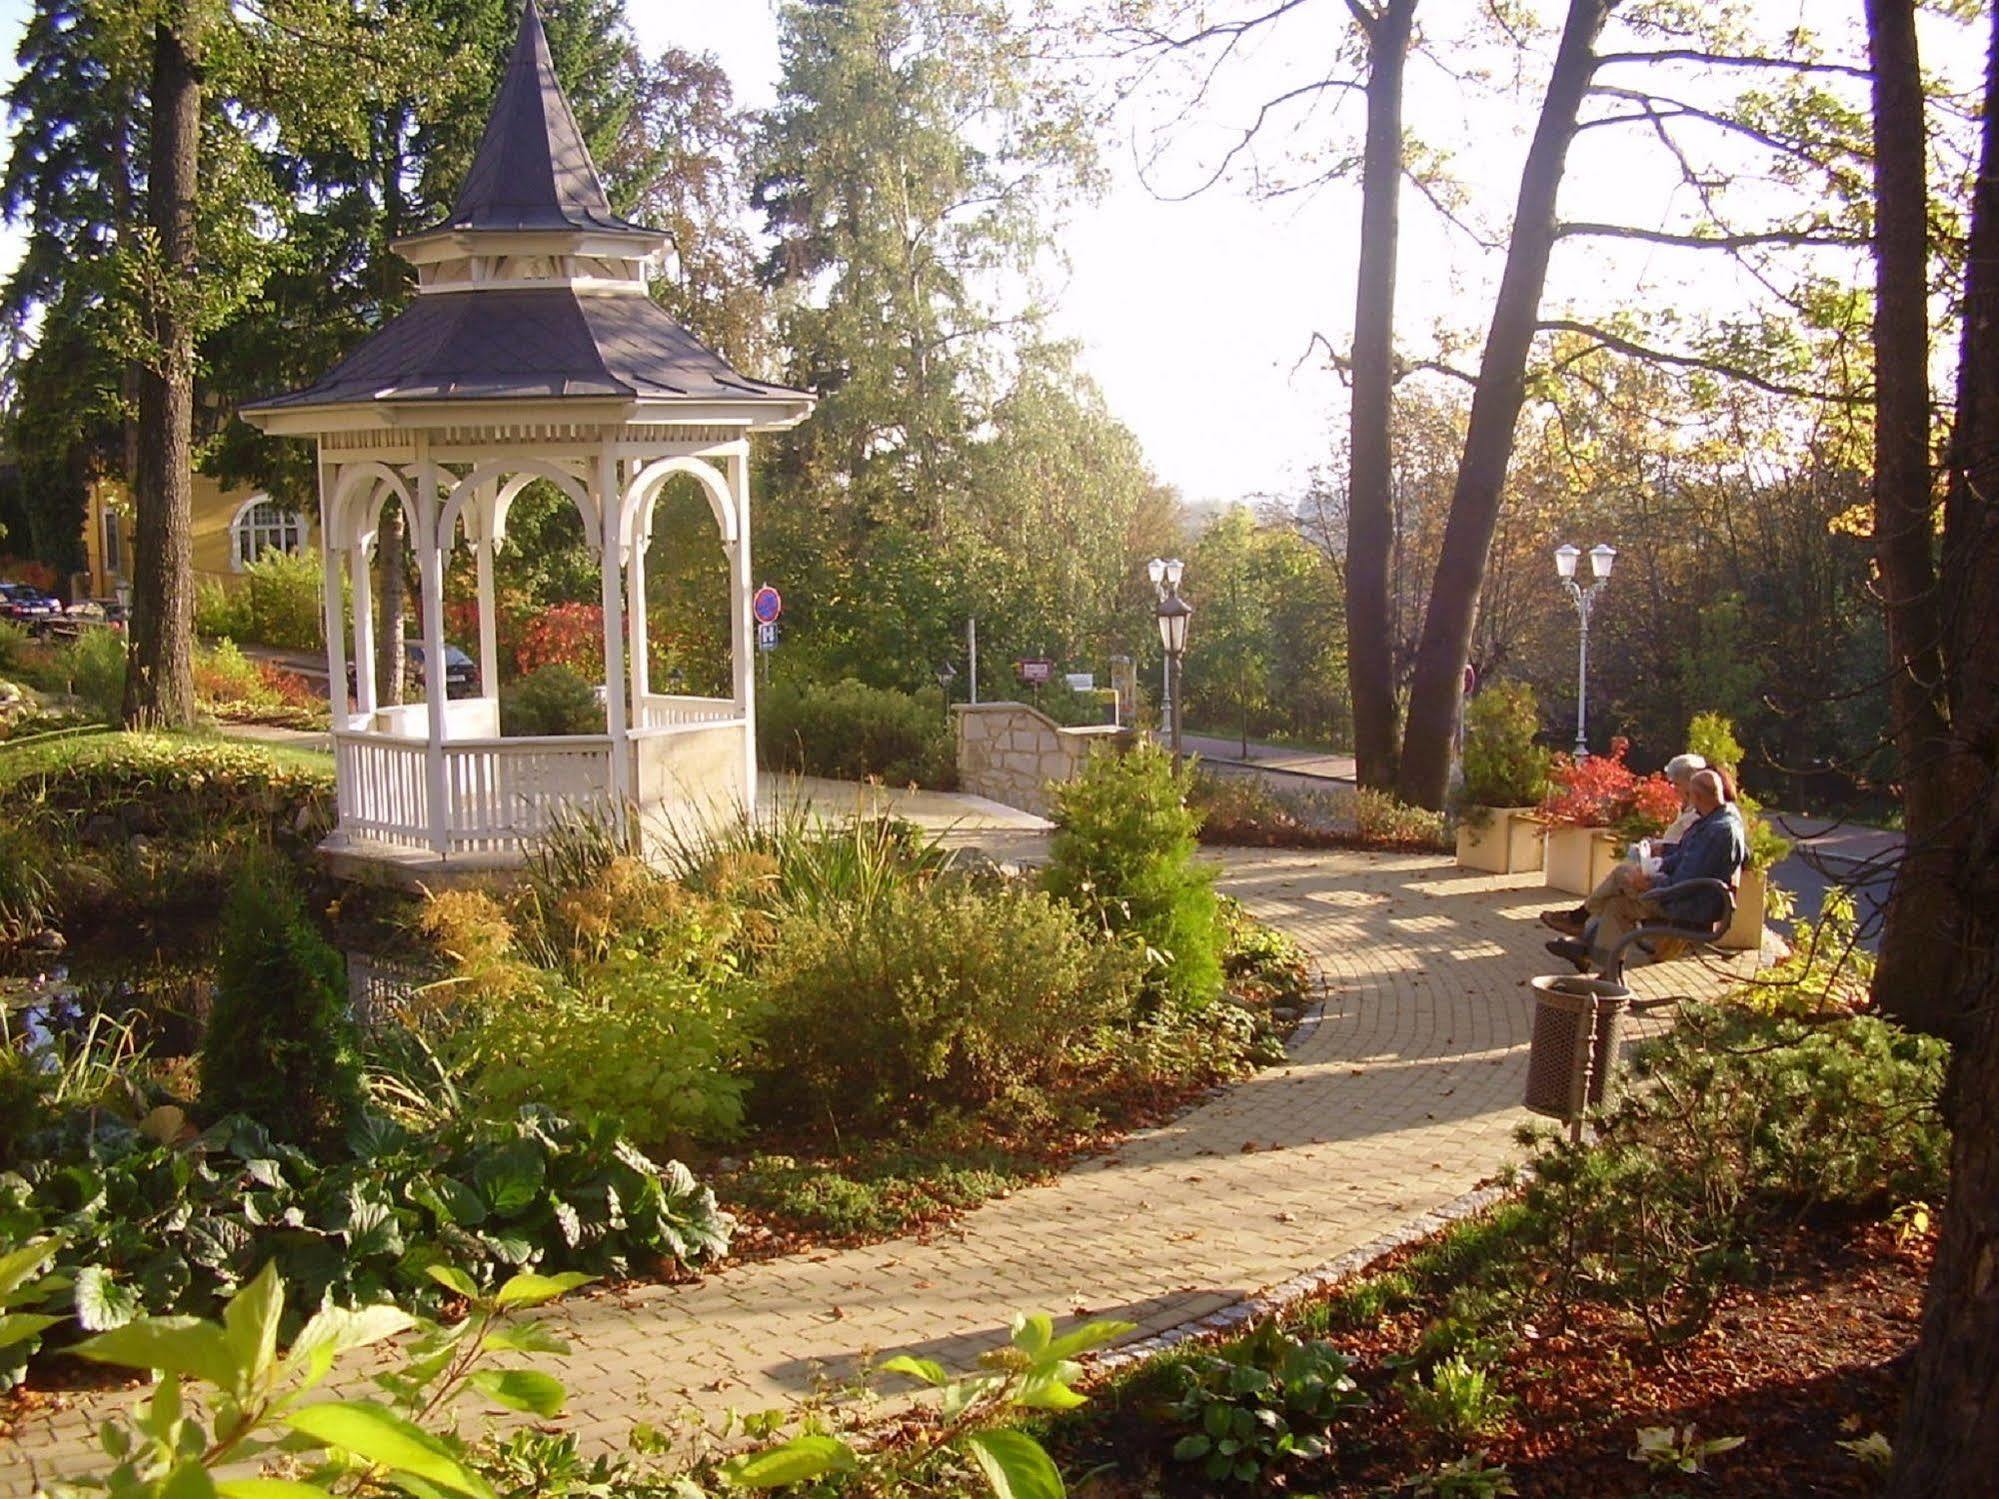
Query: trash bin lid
(1580, 986)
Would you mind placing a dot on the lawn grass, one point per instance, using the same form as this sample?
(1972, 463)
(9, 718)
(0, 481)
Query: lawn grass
(73, 749)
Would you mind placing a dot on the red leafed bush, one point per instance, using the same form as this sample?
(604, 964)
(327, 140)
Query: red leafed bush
(289, 688)
(569, 635)
(1603, 792)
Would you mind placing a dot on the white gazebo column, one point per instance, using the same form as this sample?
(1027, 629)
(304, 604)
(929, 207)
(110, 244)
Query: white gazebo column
(485, 505)
(364, 632)
(332, 567)
(638, 630)
(611, 560)
(430, 571)
(742, 637)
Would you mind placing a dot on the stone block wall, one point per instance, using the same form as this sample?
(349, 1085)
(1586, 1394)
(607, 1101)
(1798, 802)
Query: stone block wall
(1010, 752)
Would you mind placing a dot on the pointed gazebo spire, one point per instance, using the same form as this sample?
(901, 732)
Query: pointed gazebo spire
(533, 170)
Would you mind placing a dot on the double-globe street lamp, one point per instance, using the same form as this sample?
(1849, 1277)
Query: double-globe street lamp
(1174, 612)
(1600, 559)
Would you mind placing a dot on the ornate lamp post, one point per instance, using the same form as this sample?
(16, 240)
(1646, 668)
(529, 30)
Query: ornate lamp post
(1584, 596)
(1173, 614)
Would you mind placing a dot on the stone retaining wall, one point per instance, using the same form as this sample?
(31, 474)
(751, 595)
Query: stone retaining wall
(1010, 752)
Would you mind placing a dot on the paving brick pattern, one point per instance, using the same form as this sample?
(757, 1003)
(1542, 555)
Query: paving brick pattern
(1399, 1096)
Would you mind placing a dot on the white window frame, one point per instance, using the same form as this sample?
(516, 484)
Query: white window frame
(250, 537)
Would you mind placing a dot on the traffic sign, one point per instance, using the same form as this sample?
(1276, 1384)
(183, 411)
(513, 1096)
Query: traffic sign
(767, 635)
(767, 604)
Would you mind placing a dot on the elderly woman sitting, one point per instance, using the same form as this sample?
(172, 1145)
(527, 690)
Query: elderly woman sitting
(1715, 847)
(1680, 771)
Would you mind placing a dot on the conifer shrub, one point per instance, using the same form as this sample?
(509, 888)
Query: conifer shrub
(1504, 767)
(279, 1045)
(1124, 857)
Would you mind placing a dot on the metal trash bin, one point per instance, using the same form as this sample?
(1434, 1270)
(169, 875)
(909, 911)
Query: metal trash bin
(1578, 1023)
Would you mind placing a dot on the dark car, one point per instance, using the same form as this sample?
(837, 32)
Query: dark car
(25, 602)
(461, 672)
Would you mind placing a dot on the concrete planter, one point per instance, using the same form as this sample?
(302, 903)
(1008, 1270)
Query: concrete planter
(1745, 933)
(1507, 841)
(1579, 858)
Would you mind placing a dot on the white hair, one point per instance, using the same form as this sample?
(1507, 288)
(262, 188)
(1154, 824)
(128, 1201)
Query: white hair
(1682, 766)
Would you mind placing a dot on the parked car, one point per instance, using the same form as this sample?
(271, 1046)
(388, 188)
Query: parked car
(461, 672)
(26, 603)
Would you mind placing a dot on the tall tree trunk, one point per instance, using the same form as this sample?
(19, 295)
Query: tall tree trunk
(1437, 684)
(1912, 980)
(159, 674)
(1370, 506)
(1949, 1440)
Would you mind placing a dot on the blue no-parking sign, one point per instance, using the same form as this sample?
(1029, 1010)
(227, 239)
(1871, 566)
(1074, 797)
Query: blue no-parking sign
(767, 604)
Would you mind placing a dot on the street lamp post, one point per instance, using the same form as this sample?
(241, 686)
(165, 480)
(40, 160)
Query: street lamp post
(1173, 614)
(1584, 596)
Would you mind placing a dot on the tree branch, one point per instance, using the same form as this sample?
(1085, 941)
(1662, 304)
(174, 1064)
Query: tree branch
(1712, 241)
(1736, 60)
(1617, 343)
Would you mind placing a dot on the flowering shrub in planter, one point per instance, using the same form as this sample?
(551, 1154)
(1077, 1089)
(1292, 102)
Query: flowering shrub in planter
(1603, 792)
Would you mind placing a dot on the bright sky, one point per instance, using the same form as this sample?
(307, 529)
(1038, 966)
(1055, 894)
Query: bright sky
(1195, 316)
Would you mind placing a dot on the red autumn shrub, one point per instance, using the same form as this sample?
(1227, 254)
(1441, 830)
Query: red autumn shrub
(1603, 792)
(569, 635)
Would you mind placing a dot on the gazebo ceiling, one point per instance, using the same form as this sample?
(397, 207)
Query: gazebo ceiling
(533, 292)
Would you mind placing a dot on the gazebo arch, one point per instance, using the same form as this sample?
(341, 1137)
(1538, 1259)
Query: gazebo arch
(530, 351)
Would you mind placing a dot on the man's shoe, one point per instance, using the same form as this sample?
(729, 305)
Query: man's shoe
(1569, 923)
(1571, 951)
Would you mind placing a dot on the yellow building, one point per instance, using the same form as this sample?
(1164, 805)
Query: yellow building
(232, 528)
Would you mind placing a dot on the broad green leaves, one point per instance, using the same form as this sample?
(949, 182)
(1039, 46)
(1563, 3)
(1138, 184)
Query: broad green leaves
(378, 1435)
(799, 1460)
(1015, 1465)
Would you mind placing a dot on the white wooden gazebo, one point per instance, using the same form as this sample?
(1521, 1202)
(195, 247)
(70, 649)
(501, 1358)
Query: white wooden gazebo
(532, 351)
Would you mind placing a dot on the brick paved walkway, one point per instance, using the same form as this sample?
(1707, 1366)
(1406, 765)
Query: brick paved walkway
(1399, 1096)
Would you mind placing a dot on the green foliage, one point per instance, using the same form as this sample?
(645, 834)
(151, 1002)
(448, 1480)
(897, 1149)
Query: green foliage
(24, 1285)
(1827, 971)
(1467, 1477)
(175, 1227)
(1033, 1373)
(936, 991)
(167, 784)
(96, 669)
(795, 862)
(279, 601)
(1745, 1122)
(279, 1045)
(851, 732)
(1260, 963)
(892, 1190)
(255, 1406)
(1459, 1401)
(15, 645)
(1712, 737)
(1271, 656)
(606, 992)
(1503, 765)
(1267, 1402)
(1381, 821)
(551, 700)
(1666, 1452)
(27, 897)
(1124, 856)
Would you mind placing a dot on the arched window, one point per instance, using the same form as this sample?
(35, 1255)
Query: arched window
(261, 526)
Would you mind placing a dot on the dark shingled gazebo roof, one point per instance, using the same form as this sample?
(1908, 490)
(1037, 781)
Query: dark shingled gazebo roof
(533, 171)
(533, 176)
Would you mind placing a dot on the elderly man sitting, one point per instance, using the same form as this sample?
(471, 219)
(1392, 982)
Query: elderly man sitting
(1680, 771)
(1715, 847)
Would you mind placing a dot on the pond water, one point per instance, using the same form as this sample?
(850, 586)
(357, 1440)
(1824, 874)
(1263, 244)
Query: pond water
(164, 998)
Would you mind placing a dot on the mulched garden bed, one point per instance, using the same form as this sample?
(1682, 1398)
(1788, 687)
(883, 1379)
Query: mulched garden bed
(1813, 1355)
